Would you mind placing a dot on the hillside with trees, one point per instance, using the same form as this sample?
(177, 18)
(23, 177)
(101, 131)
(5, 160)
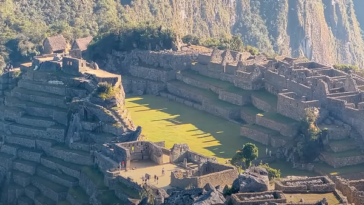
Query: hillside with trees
(319, 30)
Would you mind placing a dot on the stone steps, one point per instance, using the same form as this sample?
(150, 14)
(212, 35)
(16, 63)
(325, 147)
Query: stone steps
(70, 155)
(42, 87)
(39, 97)
(6, 160)
(21, 178)
(24, 200)
(34, 109)
(70, 169)
(31, 192)
(36, 121)
(21, 140)
(76, 195)
(343, 145)
(11, 113)
(274, 121)
(30, 154)
(25, 166)
(52, 190)
(43, 200)
(15, 190)
(50, 133)
(56, 177)
(264, 135)
(10, 149)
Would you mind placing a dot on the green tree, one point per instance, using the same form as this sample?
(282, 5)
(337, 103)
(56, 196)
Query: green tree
(192, 39)
(309, 142)
(247, 154)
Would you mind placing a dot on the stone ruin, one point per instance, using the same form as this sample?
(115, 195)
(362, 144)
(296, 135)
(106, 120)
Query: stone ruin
(353, 190)
(321, 184)
(51, 121)
(206, 171)
(258, 198)
(267, 96)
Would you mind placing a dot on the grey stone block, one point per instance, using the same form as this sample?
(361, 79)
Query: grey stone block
(9, 149)
(21, 178)
(54, 191)
(21, 140)
(31, 191)
(24, 166)
(29, 154)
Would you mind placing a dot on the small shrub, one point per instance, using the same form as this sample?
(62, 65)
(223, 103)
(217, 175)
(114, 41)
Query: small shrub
(16, 73)
(252, 50)
(347, 68)
(192, 39)
(272, 173)
(106, 90)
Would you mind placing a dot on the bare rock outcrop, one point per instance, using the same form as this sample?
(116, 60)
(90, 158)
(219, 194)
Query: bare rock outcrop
(253, 180)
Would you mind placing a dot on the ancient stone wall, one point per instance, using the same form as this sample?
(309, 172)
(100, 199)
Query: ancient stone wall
(234, 98)
(221, 178)
(152, 73)
(263, 105)
(321, 184)
(348, 188)
(255, 199)
(197, 83)
(342, 161)
(289, 106)
(198, 158)
(141, 86)
(288, 130)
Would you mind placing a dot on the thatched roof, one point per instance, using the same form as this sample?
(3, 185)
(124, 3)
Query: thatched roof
(57, 43)
(82, 43)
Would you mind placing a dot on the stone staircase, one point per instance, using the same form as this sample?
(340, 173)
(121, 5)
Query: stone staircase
(341, 149)
(254, 110)
(44, 169)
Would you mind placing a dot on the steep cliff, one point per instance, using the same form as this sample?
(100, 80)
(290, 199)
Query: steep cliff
(326, 31)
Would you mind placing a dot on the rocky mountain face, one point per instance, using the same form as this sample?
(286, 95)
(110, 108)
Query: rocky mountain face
(359, 6)
(326, 31)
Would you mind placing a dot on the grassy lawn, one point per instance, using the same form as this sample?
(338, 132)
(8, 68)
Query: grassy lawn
(312, 198)
(168, 121)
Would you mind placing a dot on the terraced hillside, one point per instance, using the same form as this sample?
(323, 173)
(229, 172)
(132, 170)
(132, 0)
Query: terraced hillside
(50, 123)
(256, 112)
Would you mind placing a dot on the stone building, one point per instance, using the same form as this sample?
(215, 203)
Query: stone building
(79, 46)
(55, 44)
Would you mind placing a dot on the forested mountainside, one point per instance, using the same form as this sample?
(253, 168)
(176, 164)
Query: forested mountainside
(326, 31)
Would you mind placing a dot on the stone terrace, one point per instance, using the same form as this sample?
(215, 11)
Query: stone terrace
(266, 96)
(46, 154)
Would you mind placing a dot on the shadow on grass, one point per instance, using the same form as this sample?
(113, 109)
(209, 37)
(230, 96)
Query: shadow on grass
(226, 133)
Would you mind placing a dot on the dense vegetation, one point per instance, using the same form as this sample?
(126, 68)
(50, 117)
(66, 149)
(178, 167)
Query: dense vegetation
(309, 142)
(145, 36)
(269, 25)
(247, 154)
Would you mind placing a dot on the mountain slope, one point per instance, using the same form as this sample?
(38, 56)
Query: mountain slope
(326, 31)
